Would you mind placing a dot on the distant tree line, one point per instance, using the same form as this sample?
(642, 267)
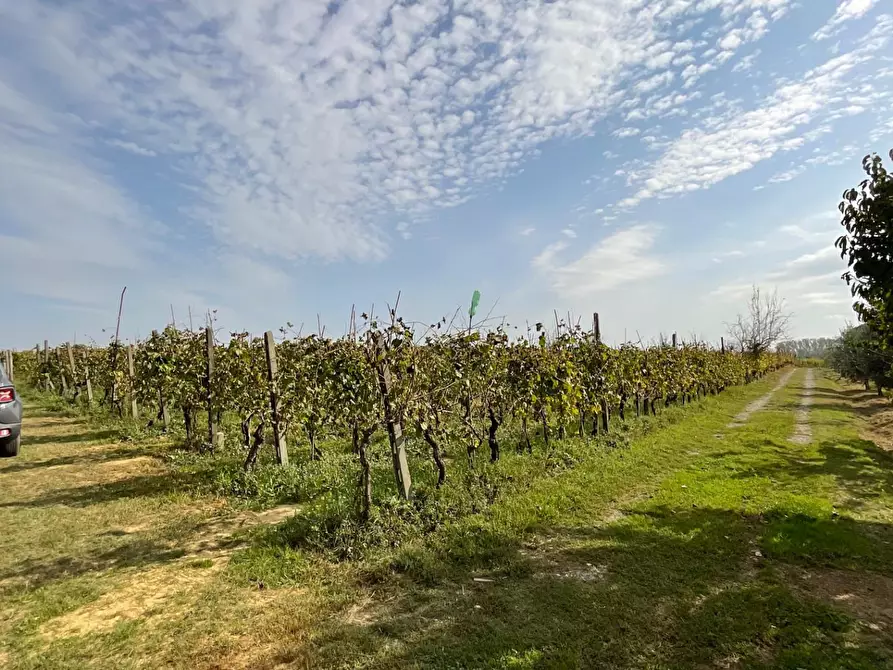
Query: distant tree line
(807, 347)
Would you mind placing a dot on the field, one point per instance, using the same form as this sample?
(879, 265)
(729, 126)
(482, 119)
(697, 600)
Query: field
(738, 531)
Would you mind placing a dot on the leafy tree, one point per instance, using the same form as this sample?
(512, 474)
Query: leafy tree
(867, 247)
(860, 357)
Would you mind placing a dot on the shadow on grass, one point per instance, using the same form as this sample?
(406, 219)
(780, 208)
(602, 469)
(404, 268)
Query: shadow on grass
(36, 573)
(851, 394)
(192, 539)
(660, 589)
(86, 458)
(859, 467)
(142, 486)
(80, 435)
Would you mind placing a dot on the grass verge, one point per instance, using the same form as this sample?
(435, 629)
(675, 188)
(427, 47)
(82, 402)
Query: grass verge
(689, 545)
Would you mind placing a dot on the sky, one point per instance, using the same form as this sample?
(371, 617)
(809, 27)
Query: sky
(281, 161)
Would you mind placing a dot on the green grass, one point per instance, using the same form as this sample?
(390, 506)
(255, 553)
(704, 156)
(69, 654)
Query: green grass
(686, 545)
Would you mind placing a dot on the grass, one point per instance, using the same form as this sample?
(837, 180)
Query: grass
(686, 545)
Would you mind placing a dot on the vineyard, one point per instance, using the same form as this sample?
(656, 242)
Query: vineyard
(430, 406)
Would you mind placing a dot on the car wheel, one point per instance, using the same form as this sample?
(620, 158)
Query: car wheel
(10, 448)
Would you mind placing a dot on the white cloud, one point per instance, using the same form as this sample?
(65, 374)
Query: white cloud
(132, 147)
(747, 62)
(847, 10)
(569, 232)
(809, 282)
(846, 154)
(733, 141)
(788, 175)
(825, 298)
(300, 127)
(626, 132)
(526, 232)
(819, 257)
(621, 259)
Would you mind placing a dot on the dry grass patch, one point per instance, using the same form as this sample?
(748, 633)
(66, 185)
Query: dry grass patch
(148, 594)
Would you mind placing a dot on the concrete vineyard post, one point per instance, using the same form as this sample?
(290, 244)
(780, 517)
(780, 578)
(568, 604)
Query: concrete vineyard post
(71, 365)
(209, 377)
(605, 415)
(62, 376)
(46, 361)
(279, 441)
(162, 405)
(395, 430)
(87, 380)
(134, 409)
(73, 369)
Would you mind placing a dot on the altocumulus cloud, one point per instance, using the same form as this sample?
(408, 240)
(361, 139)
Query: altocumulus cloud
(296, 128)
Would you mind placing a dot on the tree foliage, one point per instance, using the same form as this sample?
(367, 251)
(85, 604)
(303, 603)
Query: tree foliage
(807, 347)
(867, 246)
(859, 356)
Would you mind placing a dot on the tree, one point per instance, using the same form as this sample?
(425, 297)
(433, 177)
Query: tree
(808, 347)
(765, 324)
(867, 247)
(858, 356)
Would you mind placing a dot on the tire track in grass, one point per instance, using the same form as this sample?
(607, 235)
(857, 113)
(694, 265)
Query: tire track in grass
(802, 429)
(761, 402)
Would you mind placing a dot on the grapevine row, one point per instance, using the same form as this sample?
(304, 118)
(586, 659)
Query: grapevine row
(454, 392)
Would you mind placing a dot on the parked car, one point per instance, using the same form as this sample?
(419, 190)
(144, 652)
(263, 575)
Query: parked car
(10, 417)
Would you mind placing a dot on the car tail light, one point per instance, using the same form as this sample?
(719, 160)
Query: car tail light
(7, 395)
(5, 432)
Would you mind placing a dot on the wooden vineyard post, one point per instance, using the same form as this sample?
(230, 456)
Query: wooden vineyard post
(279, 441)
(134, 409)
(162, 405)
(209, 379)
(722, 345)
(87, 382)
(395, 430)
(674, 340)
(596, 327)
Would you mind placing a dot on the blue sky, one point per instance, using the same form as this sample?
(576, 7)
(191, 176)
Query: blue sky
(275, 161)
